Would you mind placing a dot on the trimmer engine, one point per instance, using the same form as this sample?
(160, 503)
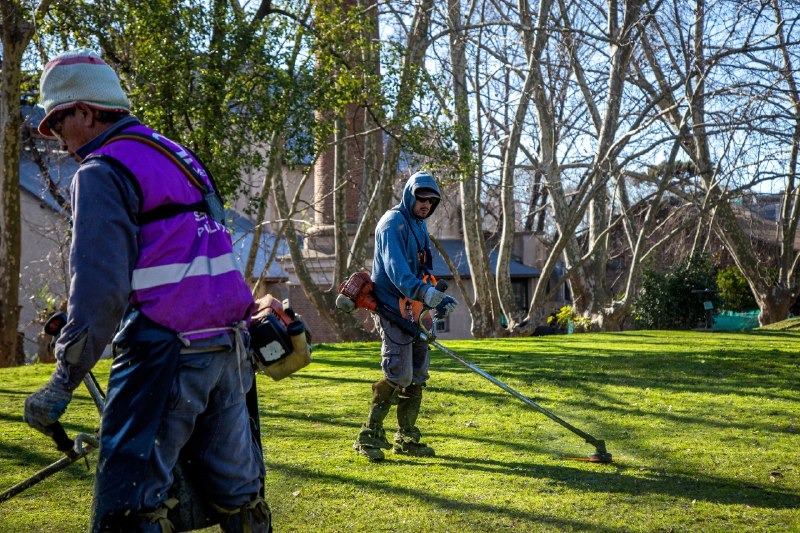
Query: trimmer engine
(356, 293)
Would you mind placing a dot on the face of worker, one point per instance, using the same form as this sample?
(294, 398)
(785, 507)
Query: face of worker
(422, 207)
(74, 127)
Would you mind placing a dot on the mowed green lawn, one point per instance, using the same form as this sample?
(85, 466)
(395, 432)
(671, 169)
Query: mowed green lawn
(703, 428)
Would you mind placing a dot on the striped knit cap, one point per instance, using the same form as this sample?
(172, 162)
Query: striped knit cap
(79, 76)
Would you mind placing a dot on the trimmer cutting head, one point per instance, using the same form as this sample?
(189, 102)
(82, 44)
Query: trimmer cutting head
(599, 456)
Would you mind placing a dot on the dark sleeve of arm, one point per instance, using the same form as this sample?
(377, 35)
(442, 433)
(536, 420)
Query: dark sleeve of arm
(102, 256)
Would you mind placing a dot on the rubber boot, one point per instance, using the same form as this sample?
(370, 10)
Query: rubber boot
(372, 436)
(406, 440)
(254, 517)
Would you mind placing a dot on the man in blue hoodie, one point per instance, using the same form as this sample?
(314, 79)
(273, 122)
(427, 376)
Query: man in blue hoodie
(402, 259)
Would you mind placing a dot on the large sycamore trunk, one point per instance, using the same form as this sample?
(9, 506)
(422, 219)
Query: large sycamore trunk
(16, 33)
(774, 303)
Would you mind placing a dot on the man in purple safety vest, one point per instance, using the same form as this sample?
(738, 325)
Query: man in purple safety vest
(151, 266)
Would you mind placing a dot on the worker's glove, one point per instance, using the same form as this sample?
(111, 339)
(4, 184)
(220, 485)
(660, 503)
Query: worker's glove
(433, 297)
(446, 306)
(44, 407)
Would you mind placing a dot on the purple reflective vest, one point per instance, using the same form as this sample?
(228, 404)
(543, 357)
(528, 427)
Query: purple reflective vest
(185, 277)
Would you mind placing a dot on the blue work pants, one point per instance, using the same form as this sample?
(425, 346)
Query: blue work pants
(162, 404)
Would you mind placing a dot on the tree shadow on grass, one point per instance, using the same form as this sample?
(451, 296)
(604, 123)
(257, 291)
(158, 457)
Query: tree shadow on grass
(442, 502)
(618, 477)
(614, 480)
(734, 373)
(605, 409)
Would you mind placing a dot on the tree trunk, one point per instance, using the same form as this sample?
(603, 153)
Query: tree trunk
(534, 43)
(588, 265)
(483, 319)
(258, 230)
(17, 31)
(774, 304)
(340, 229)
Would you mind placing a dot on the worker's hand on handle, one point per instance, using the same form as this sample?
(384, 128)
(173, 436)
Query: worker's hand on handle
(56, 432)
(433, 297)
(446, 306)
(44, 407)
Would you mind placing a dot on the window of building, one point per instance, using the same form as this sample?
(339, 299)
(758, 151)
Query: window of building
(520, 289)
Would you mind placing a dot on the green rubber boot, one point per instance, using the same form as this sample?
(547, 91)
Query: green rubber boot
(371, 439)
(406, 440)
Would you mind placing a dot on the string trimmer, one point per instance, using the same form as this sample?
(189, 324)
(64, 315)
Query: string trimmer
(73, 450)
(357, 293)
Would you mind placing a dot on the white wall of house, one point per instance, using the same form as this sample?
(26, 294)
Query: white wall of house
(45, 251)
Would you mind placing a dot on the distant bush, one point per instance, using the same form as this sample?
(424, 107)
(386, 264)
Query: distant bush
(565, 316)
(666, 300)
(734, 290)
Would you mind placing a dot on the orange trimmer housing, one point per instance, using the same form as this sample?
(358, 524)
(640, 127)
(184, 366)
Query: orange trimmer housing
(358, 288)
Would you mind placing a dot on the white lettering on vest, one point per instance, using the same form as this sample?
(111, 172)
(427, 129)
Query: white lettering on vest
(206, 224)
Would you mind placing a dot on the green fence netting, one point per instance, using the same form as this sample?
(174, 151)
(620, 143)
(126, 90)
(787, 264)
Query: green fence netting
(730, 321)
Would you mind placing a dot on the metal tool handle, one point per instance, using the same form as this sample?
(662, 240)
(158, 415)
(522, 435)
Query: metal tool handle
(82, 446)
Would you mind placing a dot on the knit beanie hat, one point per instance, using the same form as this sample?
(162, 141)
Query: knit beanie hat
(79, 76)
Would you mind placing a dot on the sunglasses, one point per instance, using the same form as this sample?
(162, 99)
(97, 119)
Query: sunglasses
(55, 122)
(425, 200)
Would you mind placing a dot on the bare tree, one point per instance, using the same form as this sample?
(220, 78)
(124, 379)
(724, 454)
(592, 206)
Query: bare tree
(483, 307)
(534, 41)
(586, 260)
(735, 109)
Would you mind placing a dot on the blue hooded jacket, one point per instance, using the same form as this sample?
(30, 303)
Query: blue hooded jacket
(399, 237)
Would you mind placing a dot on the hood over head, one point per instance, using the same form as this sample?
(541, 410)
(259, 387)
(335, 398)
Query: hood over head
(420, 184)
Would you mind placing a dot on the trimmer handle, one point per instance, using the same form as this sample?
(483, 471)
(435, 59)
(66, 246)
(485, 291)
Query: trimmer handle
(59, 435)
(441, 285)
(56, 431)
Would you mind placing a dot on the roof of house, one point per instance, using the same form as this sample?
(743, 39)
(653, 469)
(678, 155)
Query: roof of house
(31, 180)
(242, 236)
(455, 249)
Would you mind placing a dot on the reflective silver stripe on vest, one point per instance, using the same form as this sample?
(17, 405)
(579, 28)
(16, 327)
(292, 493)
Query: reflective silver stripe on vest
(147, 278)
